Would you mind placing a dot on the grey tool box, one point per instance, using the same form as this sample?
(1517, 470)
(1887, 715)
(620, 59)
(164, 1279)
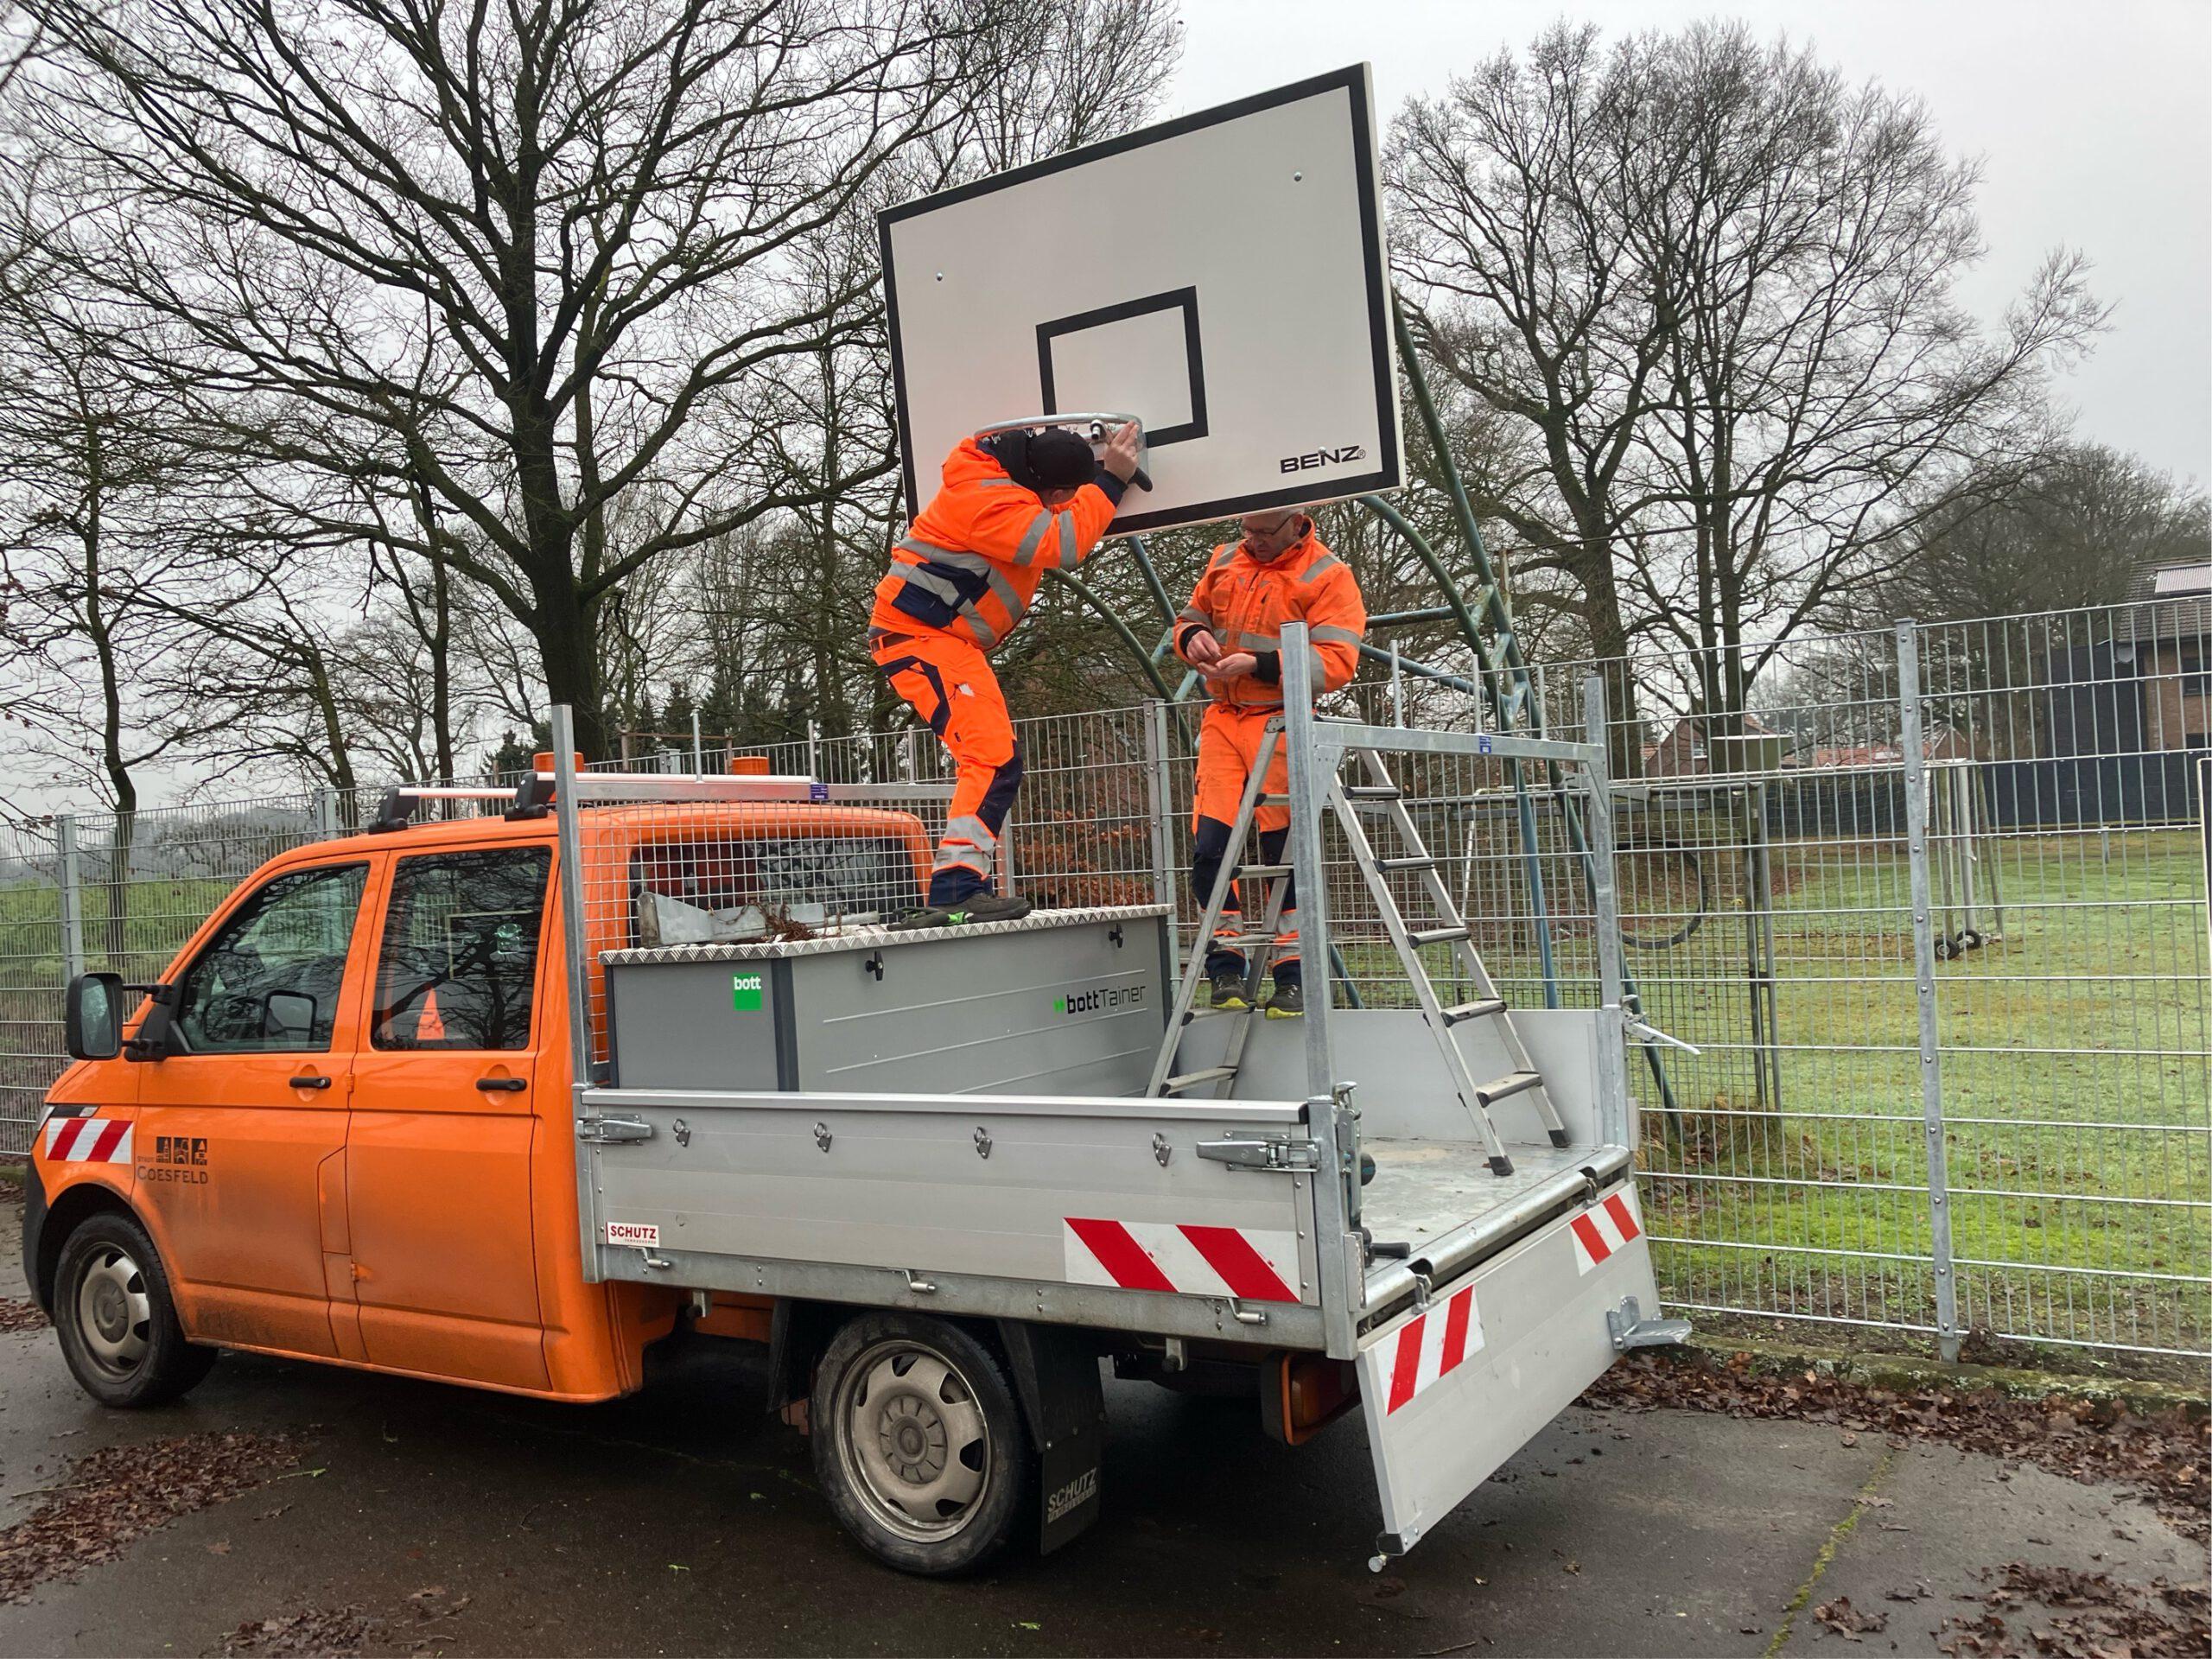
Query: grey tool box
(1061, 1002)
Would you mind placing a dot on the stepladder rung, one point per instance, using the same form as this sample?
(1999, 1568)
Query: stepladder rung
(1260, 871)
(1463, 1011)
(1399, 863)
(1240, 941)
(1372, 793)
(1512, 1083)
(1196, 1079)
(1438, 935)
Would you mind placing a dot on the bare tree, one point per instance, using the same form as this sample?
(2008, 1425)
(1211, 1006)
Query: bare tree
(1716, 287)
(579, 213)
(2076, 530)
(1821, 377)
(98, 485)
(1510, 210)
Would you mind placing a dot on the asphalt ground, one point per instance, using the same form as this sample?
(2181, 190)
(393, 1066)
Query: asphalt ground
(407, 1517)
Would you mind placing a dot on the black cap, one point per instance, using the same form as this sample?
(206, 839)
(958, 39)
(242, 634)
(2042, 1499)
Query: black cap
(1052, 459)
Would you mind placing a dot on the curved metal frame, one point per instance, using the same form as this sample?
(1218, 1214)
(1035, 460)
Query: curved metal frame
(1504, 683)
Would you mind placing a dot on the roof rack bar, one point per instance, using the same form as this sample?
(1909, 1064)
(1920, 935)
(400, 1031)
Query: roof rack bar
(612, 788)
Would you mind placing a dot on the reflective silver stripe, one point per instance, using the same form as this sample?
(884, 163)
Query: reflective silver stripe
(1320, 667)
(1328, 634)
(1002, 589)
(986, 635)
(930, 582)
(1192, 614)
(1259, 642)
(1321, 567)
(1222, 555)
(914, 543)
(1033, 538)
(968, 843)
(996, 483)
(1067, 537)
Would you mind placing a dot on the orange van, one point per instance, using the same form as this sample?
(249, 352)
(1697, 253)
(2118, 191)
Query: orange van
(339, 1127)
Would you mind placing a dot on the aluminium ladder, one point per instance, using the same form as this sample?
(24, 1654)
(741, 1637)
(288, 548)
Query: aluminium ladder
(1379, 797)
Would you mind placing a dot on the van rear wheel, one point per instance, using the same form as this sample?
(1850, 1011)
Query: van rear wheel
(918, 1443)
(117, 1320)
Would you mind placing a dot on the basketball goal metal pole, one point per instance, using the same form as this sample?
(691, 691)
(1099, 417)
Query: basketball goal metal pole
(1505, 678)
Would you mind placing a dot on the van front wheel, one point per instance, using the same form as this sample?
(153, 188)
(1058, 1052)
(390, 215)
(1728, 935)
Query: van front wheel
(918, 1443)
(117, 1320)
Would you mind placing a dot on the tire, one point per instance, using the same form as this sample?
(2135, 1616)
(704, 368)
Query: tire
(117, 1320)
(918, 1443)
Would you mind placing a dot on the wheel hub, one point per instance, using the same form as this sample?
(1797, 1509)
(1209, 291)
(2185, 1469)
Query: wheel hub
(110, 1314)
(912, 1435)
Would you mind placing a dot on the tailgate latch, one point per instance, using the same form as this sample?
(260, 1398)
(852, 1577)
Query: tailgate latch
(1629, 1329)
(1288, 1157)
(607, 1131)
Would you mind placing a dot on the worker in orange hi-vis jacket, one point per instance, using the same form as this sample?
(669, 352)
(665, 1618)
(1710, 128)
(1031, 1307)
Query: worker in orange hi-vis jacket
(1231, 633)
(1013, 504)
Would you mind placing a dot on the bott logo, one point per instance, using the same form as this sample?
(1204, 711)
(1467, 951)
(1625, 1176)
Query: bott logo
(1105, 999)
(745, 993)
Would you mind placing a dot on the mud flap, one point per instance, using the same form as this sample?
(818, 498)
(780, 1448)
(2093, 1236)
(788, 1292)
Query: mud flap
(1454, 1389)
(1056, 1375)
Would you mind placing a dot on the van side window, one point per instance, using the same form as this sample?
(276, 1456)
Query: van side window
(459, 960)
(269, 980)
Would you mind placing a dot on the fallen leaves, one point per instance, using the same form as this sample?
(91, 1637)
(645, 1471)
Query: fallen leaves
(119, 1493)
(15, 1315)
(332, 1632)
(1849, 1622)
(2166, 1455)
(2093, 1616)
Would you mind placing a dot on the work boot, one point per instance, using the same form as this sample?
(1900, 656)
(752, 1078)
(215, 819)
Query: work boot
(1228, 988)
(971, 912)
(1289, 1001)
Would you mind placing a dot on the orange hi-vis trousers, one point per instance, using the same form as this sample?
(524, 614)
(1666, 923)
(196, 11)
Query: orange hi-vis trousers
(948, 682)
(1229, 747)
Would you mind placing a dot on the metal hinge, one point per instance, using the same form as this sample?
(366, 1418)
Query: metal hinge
(1629, 1329)
(604, 1131)
(1290, 1157)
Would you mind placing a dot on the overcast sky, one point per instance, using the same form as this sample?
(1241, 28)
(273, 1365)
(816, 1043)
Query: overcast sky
(2089, 116)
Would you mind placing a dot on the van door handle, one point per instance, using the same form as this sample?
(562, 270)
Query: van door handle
(311, 1080)
(503, 1085)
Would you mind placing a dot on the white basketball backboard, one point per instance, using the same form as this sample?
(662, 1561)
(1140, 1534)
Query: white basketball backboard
(1221, 276)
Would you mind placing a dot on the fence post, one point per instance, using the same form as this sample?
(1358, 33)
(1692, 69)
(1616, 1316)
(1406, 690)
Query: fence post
(1159, 791)
(1613, 1114)
(72, 895)
(326, 814)
(1923, 975)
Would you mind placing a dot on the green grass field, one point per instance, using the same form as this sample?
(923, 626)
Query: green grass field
(2076, 1090)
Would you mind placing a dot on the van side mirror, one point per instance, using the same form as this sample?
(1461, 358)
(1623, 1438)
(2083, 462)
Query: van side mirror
(92, 1017)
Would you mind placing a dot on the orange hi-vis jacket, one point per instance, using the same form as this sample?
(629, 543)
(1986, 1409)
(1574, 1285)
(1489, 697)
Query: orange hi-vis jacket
(1244, 602)
(969, 563)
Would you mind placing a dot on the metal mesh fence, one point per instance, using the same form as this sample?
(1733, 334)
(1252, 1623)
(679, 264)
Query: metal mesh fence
(116, 892)
(1947, 959)
(1932, 910)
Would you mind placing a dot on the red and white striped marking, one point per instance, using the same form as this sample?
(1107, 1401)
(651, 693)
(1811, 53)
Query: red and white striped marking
(87, 1141)
(1431, 1344)
(1248, 1263)
(1604, 1228)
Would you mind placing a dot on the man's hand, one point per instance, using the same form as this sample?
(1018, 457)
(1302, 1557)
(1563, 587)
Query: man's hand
(1234, 666)
(1120, 456)
(1202, 650)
